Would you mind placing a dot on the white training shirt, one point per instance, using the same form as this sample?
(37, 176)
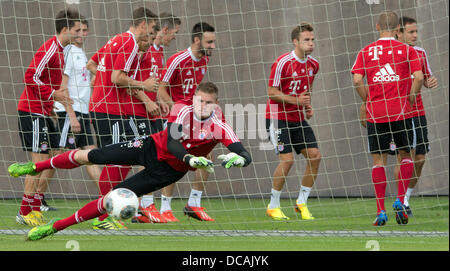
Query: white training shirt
(75, 61)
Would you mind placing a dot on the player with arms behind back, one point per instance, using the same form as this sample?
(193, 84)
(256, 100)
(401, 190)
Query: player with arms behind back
(167, 155)
(290, 85)
(388, 64)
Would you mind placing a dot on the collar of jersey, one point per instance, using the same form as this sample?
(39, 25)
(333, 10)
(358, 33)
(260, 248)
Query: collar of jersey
(192, 55)
(131, 33)
(298, 59)
(387, 38)
(157, 47)
(59, 42)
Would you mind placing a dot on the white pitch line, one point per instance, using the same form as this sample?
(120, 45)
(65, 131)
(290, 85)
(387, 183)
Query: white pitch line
(238, 233)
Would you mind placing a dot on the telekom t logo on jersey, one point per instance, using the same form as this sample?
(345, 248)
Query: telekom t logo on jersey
(188, 84)
(375, 51)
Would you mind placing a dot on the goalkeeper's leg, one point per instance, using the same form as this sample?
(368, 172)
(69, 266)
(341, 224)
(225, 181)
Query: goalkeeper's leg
(117, 154)
(193, 207)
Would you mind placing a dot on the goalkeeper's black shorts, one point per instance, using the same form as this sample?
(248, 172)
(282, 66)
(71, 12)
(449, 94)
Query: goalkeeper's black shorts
(140, 151)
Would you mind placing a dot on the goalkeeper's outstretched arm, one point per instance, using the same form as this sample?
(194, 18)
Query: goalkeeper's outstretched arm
(174, 146)
(239, 149)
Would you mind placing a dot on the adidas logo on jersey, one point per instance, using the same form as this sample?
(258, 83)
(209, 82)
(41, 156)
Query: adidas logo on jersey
(386, 74)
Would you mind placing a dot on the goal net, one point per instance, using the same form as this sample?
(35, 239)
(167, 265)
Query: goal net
(251, 35)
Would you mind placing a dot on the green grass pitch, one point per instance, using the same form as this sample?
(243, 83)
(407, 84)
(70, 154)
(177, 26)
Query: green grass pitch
(241, 225)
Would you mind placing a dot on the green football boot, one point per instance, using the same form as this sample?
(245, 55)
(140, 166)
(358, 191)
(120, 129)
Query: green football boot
(40, 232)
(19, 169)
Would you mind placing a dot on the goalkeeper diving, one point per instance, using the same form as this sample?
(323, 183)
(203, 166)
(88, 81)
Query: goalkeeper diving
(194, 128)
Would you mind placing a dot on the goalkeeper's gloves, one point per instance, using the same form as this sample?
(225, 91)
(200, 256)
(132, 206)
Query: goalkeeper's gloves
(200, 162)
(232, 160)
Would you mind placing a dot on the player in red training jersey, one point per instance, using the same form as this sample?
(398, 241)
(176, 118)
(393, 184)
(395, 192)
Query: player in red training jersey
(38, 134)
(194, 128)
(388, 65)
(182, 74)
(408, 34)
(289, 91)
(114, 66)
(146, 118)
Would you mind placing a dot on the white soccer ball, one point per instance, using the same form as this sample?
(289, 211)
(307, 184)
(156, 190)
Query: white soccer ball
(121, 203)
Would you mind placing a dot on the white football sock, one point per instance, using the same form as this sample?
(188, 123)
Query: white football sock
(274, 199)
(408, 195)
(146, 201)
(195, 198)
(165, 204)
(303, 194)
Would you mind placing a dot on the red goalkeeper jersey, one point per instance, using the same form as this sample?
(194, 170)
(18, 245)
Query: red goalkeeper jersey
(199, 137)
(42, 78)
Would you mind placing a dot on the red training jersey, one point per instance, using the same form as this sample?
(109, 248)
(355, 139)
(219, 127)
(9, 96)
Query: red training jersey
(184, 72)
(42, 78)
(418, 109)
(388, 65)
(199, 137)
(151, 64)
(119, 53)
(292, 76)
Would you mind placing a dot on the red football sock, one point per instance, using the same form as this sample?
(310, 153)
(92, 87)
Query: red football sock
(37, 202)
(25, 207)
(379, 183)
(404, 176)
(112, 176)
(64, 160)
(89, 211)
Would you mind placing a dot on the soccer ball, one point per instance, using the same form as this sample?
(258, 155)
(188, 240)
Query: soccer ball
(121, 203)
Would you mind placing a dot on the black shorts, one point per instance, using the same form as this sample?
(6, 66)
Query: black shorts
(420, 136)
(420, 141)
(290, 135)
(111, 129)
(70, 140)
(142, 126)
(382, 136)
(37, 133)
(140, 151)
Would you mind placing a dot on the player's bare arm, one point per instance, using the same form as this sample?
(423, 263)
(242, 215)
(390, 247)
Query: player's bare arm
(92, 67)
(74, 123)
(120, 78)
(358, 83)
(416, 86)
(151, 107)
(362, 115)
(164, 98)
(431, 82)
(276, 95)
